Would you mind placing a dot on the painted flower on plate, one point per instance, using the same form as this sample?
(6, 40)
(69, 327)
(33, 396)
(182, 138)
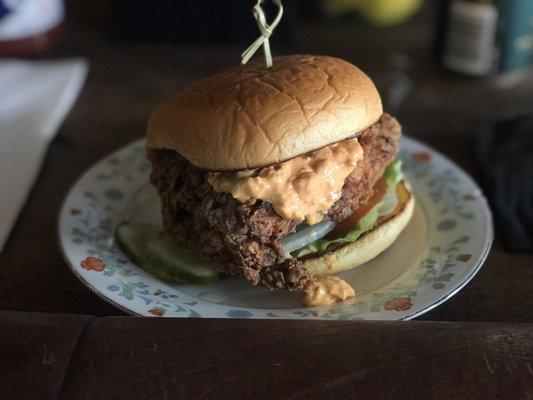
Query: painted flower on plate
(113, 288)
(114, 194)
(399, 304)
(157, 311)
(464, 257)
(239, 314)
(93, 264)
(421, 157)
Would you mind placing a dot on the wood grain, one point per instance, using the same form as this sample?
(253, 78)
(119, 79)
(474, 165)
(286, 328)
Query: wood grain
(35, 351)
(47, 356)
(206, 359)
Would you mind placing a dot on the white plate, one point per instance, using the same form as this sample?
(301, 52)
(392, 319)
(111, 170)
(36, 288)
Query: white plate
(439, 252)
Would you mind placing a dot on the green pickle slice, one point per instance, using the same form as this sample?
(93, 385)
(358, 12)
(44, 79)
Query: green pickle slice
(172, 263)
(156, 253)
(133, 238)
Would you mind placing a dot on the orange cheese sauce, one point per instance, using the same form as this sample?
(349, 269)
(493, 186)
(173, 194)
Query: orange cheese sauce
(303, 188)
(321, 291)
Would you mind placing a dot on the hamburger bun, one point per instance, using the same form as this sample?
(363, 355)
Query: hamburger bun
(251, 116)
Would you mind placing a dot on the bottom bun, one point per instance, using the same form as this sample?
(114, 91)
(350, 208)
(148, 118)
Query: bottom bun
(365, 248)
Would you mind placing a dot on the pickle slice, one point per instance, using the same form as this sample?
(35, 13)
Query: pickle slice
(172, 263)
(157, 254)
(133, 238)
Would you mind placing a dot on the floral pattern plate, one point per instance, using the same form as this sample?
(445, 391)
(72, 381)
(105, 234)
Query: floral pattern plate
(442, 248)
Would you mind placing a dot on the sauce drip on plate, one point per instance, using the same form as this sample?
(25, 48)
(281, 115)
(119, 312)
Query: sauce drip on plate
(321, 291)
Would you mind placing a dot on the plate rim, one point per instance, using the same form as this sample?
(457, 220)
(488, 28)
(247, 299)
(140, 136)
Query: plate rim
(489, 240)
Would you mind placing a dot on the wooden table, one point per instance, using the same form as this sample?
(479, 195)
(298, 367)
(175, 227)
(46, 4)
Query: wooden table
(125, 82)
(82, 357)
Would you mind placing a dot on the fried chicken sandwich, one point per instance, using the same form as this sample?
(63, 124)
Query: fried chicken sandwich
(280, 174)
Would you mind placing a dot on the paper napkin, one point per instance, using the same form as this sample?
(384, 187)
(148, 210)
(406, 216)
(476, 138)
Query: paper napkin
(35, 97)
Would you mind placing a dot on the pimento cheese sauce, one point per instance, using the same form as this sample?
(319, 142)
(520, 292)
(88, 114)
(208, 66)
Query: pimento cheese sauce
(321, 291)
(303, 188)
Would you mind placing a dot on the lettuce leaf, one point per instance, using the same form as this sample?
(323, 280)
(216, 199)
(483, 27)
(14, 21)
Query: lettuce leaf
(393, 175)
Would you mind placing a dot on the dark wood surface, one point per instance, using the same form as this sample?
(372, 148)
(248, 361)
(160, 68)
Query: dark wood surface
(125, 82)
(136, 358)
(35, 351)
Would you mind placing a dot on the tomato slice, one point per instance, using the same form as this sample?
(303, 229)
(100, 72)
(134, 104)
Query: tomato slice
(378, 191)
(380, 188)
(404, 195)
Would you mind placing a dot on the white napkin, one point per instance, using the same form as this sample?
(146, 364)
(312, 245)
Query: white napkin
(35, 97)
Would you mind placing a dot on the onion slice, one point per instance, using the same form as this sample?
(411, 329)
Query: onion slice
(310, 233)
(307, 234)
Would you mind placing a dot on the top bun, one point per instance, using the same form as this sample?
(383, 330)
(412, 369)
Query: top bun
(251, 116)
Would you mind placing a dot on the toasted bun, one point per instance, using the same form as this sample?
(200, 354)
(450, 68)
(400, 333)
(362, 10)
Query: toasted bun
(363, 249)
(251, 116)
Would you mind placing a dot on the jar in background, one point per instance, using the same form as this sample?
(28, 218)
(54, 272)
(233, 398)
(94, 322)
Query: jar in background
(471, 37)
(483, 37)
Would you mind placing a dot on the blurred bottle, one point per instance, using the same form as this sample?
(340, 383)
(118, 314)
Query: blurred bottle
(515, 32)
(29, 27)
(481, 37)
(471, 37)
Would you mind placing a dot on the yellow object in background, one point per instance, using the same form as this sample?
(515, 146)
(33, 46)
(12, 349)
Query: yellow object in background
(388, 12)
(335, 8)
(377, 12)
